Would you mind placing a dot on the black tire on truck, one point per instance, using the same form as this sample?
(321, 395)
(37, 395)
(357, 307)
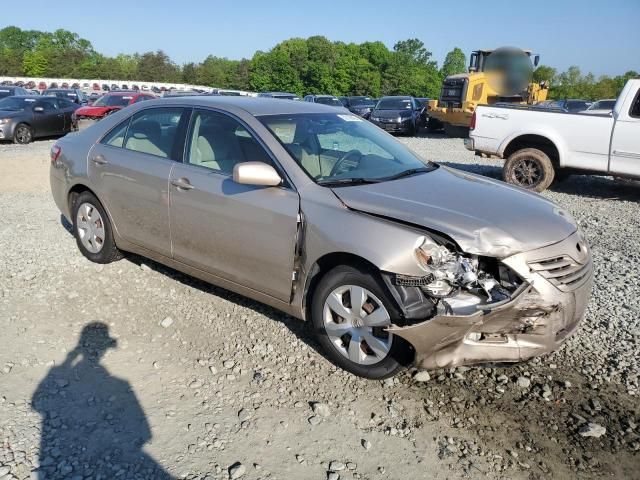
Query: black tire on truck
(529, 168)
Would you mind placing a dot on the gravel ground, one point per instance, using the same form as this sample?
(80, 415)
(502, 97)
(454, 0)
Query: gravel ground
(132, 370)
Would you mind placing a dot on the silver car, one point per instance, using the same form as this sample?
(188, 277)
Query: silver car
(394, 260)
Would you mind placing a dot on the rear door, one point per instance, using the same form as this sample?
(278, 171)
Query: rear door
(67, 107)
(625, 140)
(242, 233)
(51, 120)
(130, 169)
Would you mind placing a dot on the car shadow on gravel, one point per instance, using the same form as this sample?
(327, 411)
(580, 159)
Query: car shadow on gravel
(484, 170)
(587, 186)
(92, 423)
(299, 328)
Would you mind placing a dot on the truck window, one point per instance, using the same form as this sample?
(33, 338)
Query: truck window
(635, 107)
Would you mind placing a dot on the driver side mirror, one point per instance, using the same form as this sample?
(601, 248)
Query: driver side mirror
(38, 109)
(256, 173)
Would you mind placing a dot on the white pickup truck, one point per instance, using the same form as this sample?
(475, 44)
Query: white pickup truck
(540, 144)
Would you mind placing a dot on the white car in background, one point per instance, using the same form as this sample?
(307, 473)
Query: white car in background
(601, 107)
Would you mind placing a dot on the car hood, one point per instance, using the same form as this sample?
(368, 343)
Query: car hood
(11, 113)
(92, 110)
(390, 113)
(483, 216)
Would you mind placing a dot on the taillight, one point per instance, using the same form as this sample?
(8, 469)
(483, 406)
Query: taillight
(55, 153)
(473, 121)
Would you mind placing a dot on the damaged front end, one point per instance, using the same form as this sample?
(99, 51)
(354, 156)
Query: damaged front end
(469, 309)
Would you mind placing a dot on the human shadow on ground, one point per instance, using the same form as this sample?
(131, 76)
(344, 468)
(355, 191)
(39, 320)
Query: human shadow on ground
(92, 423)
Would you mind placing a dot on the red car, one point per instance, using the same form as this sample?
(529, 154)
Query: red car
(111, 102)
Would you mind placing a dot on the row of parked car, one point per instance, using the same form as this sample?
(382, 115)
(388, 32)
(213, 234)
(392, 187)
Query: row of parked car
(396, 114)
(573, 105)
(85, 87)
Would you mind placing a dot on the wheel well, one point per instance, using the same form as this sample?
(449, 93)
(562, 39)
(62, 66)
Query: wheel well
(75, 192)
(323, 265)
(534, 141)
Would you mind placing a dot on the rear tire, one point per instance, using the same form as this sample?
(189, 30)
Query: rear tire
(387, 353)
(93, 231)
(23, 134)
(529, 168)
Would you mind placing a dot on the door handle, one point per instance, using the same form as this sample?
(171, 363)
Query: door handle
(182, 184)
(99, 160)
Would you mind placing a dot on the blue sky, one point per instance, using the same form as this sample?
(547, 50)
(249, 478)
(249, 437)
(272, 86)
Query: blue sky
(601, 36)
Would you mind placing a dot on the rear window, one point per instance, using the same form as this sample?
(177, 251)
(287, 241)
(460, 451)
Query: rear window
(635, 108)
(113, 101)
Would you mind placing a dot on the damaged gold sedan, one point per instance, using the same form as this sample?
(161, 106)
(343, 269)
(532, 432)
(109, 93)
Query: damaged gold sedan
(395, 261)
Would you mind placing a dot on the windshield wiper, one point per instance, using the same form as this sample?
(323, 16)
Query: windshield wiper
(346, 181)
(406, 173)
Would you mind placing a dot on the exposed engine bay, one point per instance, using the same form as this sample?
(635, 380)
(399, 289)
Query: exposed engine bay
(456, 283)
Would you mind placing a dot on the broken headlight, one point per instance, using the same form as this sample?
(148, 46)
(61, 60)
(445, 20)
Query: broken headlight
(449, 271)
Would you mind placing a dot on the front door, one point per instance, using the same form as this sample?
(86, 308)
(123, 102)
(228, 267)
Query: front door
(242, 233)
(130, 170)
(625, 143)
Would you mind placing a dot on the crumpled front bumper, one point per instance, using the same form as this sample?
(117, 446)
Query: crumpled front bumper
(545, 310)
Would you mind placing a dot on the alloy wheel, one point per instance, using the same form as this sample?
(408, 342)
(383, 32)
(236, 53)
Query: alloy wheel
(90, 227)
(23, 134)
(355, 321)
(527, 172)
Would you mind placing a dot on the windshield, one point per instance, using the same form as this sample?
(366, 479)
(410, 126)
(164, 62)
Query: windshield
(60, 94)
(394, 104)
(603, 105)
(361, 102)
(16, 104)
(113, 101)
(5, 92)
(331, 101)
(339, 149)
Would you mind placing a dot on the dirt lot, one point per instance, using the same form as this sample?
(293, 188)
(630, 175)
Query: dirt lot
(132, 370)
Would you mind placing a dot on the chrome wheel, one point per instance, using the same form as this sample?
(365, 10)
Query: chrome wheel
(90, 227)
(355, 321)
(527, 172)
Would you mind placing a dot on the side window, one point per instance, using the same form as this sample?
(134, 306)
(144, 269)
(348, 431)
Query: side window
(115, 137)
(635, 108)
(141, 98)
(218, 142)
(154, 131)
(49, 105)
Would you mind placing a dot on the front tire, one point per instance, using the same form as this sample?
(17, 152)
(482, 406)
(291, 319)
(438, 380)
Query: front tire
(529, 168)
(93, 231)
(23, 134)
(350, 311)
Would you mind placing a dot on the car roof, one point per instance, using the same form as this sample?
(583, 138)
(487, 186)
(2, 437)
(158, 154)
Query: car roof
(121, 93)
(407, 97)
(256, 106)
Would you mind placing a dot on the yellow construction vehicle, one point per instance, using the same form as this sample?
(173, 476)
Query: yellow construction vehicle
(462, 93)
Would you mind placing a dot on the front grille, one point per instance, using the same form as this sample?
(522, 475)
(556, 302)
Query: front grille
(563, 272)
(451, 93)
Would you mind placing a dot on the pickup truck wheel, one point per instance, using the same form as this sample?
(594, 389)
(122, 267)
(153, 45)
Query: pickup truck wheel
(350, 312)
(529, 168)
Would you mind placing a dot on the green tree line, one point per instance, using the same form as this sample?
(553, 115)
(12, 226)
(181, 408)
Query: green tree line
(297, 65)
